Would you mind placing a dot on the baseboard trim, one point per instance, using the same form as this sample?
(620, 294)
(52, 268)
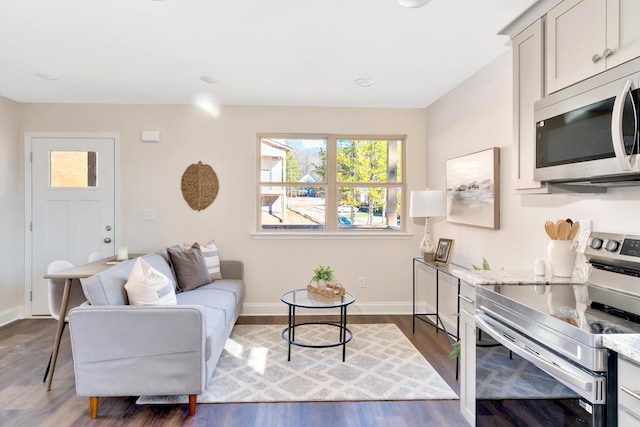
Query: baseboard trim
(11, 315)
(374, 308)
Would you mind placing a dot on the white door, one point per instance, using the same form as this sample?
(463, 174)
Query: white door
(73, 205)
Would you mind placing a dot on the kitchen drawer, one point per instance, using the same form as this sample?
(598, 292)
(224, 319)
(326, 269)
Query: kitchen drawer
(467, 297)
(628, 393)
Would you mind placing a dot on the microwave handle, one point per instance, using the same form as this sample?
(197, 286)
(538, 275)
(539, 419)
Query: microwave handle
(616, 128)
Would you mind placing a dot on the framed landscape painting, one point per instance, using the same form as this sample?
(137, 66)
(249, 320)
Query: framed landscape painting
(473, 189)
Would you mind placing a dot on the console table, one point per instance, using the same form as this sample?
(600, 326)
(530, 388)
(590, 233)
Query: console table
(448, 270)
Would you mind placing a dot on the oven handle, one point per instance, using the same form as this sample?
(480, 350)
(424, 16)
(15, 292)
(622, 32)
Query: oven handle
(534, 358)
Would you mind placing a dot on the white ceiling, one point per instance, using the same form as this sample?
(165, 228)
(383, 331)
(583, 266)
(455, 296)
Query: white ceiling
(264, 52)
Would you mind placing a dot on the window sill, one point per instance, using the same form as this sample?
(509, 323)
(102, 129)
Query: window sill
(345, 235)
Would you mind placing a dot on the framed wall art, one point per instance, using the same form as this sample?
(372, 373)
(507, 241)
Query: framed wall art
(473, 189)
(444, 250)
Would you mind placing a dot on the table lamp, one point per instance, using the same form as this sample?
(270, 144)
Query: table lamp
(427, 204)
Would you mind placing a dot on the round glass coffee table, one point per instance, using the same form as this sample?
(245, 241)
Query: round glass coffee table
(305, 299)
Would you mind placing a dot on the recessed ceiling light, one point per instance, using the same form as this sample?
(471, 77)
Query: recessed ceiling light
(48, 76)
(413, 3)
(364, 82)
(210, 79)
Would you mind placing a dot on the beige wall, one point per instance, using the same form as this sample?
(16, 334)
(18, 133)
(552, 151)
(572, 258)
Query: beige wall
(150, 178)
(477, 115)
(11, 212)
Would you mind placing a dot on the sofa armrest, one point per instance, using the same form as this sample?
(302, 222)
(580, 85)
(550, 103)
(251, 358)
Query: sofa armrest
(232, 270)
(134, 350)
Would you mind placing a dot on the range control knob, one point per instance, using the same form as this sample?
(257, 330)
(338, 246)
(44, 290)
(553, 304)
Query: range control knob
(611, 245)
(595, 243)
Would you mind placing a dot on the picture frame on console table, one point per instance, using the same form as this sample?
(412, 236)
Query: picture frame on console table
(473, 189)
(443, 251)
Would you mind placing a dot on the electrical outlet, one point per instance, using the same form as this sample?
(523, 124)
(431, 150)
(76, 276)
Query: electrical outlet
(149, 215)
(361, 281)
(585, 232)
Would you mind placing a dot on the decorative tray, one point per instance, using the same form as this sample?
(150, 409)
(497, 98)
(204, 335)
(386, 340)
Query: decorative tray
(333, 290)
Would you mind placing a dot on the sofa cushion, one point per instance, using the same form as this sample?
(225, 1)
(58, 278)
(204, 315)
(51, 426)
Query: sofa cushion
(211, 256)
(211, 298)
(147, 286)
(236, 287)
(190, 268)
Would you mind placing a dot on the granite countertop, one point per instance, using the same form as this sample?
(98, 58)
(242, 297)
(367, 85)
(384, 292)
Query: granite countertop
(503, 277)
(627, 345)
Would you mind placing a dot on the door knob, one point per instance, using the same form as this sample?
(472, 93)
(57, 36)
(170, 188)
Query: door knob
(108, 228)
(107, 239)
(596, 57)
(607, 53)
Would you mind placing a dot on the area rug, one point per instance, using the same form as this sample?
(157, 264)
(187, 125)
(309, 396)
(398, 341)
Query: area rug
(381, 364)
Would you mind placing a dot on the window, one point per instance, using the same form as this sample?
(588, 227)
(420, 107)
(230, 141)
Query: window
(330, 183)
(72, 169)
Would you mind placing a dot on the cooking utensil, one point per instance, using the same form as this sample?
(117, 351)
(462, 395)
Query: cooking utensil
(564, 228)
(575, 228)
(550, 228)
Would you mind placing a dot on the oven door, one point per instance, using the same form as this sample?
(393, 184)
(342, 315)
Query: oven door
(521, 383)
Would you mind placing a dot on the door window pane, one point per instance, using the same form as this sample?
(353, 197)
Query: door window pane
(73, 169)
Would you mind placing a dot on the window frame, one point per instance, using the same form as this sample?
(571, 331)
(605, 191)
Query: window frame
(331, 185)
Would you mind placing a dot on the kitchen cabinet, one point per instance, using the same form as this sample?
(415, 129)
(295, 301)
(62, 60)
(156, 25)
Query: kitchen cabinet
(628, 393)
(587, 37)
(467, 352)
(528, 59)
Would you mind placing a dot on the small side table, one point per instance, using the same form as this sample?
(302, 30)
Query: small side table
(304, 299)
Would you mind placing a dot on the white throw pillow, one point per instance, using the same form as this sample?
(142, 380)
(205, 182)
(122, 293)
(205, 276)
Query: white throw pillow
(147, 286)
(211, 257)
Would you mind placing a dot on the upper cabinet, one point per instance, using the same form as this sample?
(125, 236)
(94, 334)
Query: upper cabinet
(527, 88)
(587, 37)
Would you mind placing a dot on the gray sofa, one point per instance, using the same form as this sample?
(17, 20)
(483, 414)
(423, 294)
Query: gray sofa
(126, 350)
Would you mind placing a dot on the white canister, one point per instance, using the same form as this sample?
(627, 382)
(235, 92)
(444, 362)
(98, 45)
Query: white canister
(122, 254)
(539, 268)
(562, 257)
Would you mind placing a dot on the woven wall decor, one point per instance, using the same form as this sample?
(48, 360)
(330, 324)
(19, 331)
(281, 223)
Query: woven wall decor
(199, 186)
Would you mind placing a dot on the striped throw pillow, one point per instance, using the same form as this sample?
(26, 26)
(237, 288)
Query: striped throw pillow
(211, 257)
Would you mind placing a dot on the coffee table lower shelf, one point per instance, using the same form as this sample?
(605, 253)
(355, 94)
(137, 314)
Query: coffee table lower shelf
(288, 334)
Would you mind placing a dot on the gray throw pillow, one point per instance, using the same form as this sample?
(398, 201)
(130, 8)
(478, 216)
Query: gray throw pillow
(190, 268)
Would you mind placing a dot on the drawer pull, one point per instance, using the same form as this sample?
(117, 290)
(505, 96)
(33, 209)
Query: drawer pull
(630, 392)
(469, 300)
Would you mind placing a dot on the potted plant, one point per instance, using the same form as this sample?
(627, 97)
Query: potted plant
(322, 275)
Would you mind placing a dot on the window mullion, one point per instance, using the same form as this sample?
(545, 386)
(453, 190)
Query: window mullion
(331, 200)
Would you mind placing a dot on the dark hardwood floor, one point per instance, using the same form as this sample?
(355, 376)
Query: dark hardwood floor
(24, 351)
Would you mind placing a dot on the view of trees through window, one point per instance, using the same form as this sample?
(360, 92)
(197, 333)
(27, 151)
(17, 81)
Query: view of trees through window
(358, 180)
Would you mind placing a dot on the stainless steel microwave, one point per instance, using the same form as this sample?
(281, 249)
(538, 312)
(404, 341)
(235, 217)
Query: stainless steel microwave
(590, 137)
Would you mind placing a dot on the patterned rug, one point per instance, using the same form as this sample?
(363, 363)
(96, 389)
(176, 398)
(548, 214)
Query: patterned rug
(381, 364)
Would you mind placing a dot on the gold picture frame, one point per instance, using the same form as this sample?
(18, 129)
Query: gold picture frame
(444, 250)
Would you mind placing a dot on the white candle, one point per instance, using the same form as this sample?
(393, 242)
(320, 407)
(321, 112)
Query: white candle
(123, 253)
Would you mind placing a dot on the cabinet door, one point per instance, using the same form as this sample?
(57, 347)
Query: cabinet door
(623, 31)
(527, 88)
(468, 366)
(576, 31)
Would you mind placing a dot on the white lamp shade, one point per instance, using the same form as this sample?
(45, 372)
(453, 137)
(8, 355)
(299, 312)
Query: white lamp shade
(413, 3)
(427, 203)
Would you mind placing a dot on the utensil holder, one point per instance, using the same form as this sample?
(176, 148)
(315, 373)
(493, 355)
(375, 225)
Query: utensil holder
(562, 257)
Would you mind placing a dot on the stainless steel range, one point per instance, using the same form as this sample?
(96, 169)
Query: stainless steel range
(540, 357)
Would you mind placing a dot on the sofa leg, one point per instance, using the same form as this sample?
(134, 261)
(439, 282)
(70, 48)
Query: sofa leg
(192, 404)
(93, 407)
